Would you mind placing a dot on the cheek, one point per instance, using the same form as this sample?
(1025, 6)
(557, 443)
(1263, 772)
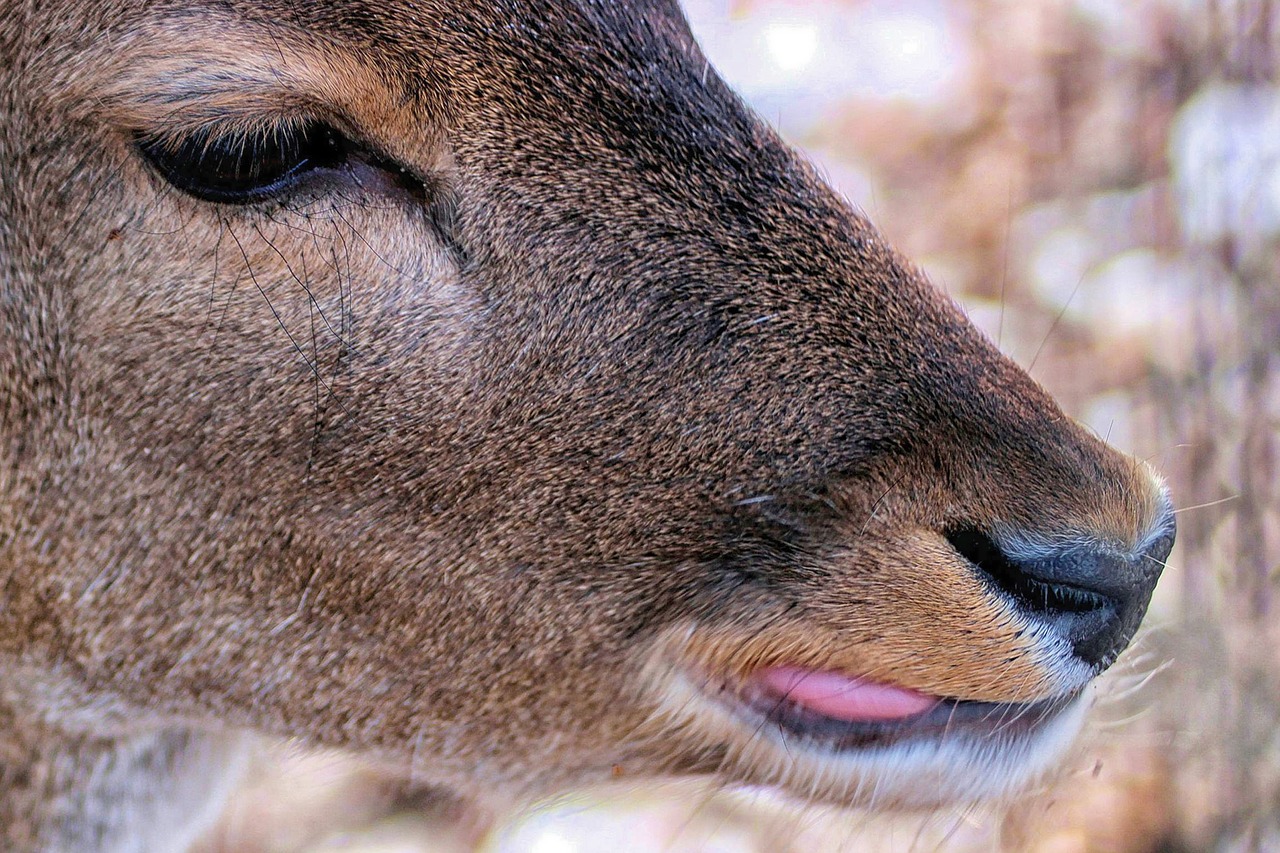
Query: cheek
(923, 616)
(255, 325)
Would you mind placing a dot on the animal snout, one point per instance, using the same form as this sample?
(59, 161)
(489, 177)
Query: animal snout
(1085, 590)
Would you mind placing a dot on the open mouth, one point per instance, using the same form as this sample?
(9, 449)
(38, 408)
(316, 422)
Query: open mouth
(842, 713)
(827, 735)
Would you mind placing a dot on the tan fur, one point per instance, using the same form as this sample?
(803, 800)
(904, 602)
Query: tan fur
(468, 480)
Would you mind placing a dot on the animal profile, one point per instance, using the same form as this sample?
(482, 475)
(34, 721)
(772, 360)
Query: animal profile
(482, 388)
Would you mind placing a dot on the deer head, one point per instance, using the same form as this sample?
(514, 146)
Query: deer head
(483, 384)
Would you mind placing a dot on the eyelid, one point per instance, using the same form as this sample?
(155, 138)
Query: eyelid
(180, 127)
(177, 132)
(163, 152)
(221, 73)
(175, 73)
(240, 168)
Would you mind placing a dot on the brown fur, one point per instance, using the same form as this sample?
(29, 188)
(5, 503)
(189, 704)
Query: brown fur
(449, 479)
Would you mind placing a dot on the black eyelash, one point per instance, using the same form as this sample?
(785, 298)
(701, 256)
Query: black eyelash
(240, 168)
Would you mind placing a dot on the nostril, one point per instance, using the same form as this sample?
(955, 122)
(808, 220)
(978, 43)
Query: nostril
(1028, 584)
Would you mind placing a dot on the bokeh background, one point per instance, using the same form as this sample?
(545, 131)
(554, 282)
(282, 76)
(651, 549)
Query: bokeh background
(1098, 183)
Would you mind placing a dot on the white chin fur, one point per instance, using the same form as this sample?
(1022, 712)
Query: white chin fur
(962, 767)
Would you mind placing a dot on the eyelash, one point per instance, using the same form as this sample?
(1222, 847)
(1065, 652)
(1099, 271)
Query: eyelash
(234, 168)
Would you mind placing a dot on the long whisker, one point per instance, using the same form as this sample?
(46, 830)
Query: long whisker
(1207, 504)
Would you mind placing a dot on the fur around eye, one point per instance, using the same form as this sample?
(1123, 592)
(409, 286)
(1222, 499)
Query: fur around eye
(240, 169)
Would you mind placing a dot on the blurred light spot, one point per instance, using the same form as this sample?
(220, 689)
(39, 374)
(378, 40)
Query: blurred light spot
(551, 841)
(792, 44)
(1225, 153)
(1130, 293)
(908, 50)
(1060, 263)
(800, 62)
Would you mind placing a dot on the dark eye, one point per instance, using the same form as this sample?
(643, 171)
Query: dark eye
(237, 168)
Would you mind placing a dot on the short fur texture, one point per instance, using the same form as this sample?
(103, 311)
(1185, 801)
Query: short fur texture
(463, 477)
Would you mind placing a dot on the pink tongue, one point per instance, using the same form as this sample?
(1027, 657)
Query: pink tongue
(842, 697)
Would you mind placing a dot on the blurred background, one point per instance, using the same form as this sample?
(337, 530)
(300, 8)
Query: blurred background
(1098, 183)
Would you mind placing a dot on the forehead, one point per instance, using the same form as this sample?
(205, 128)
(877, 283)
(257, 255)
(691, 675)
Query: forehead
(385, 62)
(533, 49)
(566, 29)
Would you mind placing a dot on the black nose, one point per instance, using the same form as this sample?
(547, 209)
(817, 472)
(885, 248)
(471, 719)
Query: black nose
(1092, 595)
